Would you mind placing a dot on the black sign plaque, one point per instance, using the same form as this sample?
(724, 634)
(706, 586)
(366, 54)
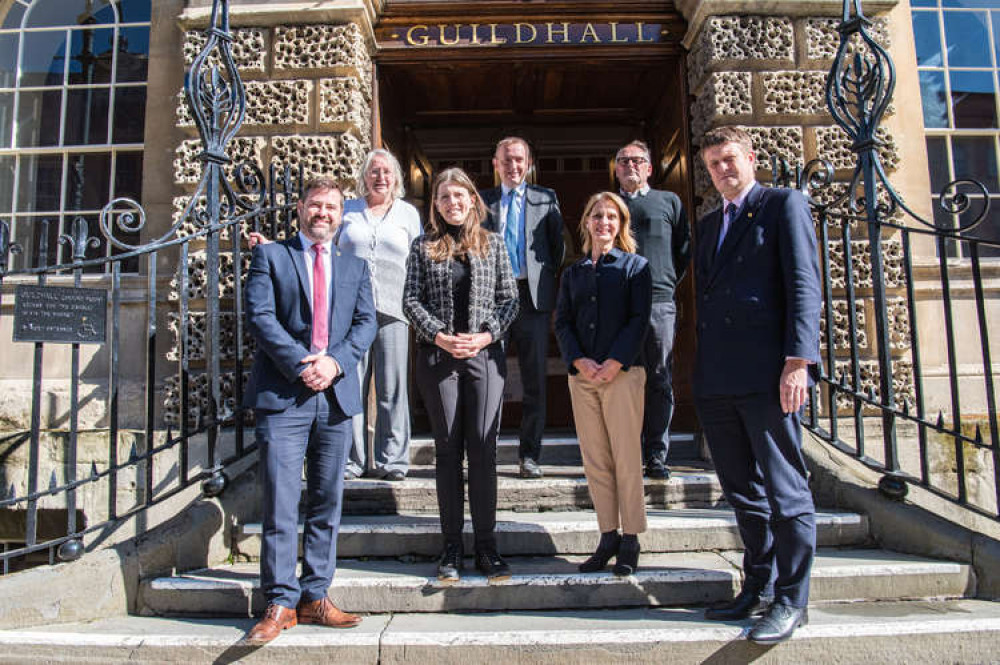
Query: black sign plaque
(60, 314)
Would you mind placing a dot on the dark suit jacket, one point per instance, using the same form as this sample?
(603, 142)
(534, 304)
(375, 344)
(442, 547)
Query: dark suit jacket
(279, 316)
(544, 247)
(758, 300)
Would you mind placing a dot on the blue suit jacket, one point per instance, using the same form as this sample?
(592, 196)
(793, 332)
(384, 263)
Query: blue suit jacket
(279, 315)
(758, 299)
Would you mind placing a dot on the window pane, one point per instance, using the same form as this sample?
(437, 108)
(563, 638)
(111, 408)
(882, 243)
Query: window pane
(135, 11)
(91, 53)
(6, 117)
(927, 35)
(128, 175)
(968, 39)
(923, 3)
(973, 100)
(44, 13)
(38, 118)
(133, 54)
(88, 181)
(932, 96)
(975, 157)
(28, 233)
(969, 4)
(6, 182)
(40, 183)
(937, 163)
(87, 116)
(14, 16)
(43, 59)
(988, 229)
(8, 60)
(130, 114)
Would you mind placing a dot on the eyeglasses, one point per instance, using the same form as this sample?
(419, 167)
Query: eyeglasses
(638, 161)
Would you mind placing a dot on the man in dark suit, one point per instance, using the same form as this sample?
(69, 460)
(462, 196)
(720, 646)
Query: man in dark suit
(311, 311)
(758, 298)
(664, 239)
(528, 219)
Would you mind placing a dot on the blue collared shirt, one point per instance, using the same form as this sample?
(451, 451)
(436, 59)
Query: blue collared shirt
(519, 203)
(603, 309)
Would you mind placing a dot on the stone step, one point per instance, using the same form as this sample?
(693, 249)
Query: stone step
(556, 450)
(545, 583)
(915, 632)
(551, 533)
(692, 485)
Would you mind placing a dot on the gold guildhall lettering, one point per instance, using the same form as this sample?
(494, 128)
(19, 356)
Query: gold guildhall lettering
(444, 40)
(494, 38)
(553, 31)
(638, 29)
(614, 34)
(475, 34)
(421, 40)
(591, 32)
(519, 35)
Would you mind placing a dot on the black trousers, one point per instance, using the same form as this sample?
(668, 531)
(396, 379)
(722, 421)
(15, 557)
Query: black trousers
(530, 333)
(757, 452)
(463, 403)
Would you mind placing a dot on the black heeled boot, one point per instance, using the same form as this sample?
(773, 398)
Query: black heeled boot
(606, 549)
(628, 555)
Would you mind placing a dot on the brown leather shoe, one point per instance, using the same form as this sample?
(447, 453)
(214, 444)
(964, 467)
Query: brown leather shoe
(324, 613)
(276, 619)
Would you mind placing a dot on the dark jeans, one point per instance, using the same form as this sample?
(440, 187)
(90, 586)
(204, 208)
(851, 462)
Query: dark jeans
(463, 403)
(658, 359)
(530, 333)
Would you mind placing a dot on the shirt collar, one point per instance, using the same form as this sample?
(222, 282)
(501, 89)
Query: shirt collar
(519, 189)
(307, 244)
(740, 198)
(613, 255)
(642, 191)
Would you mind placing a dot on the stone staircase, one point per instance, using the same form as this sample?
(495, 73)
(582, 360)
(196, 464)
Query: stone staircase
(869, 604)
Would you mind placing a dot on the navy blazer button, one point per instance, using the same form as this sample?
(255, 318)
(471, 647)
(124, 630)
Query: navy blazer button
(593, 325)
(728, 320)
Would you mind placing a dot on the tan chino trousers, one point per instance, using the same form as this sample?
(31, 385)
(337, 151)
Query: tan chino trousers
(608, 420)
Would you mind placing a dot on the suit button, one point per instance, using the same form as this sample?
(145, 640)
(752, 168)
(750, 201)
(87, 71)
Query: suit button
(705, 298)
(593, 298)
(739, 259)
(593, 325)
(729, 292)
(728, 321)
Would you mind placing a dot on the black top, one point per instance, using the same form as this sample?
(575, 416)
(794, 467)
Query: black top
(461, 285)
(603, 310)
(663, 237)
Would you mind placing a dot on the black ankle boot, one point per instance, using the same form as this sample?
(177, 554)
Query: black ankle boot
(628, 555)
(606, 549)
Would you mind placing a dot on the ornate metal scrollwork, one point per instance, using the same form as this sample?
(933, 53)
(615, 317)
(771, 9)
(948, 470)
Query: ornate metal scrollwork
(7, 247)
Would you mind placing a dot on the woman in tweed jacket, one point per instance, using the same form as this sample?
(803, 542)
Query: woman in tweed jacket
(460, 297)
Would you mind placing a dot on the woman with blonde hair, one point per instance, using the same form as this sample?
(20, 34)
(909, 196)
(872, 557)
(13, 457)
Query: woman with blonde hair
(460, 297)
(602, 315)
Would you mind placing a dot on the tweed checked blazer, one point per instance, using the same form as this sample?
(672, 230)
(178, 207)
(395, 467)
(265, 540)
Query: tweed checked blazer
(427, 298)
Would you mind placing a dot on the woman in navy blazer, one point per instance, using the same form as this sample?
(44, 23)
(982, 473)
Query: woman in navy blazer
(602, 314)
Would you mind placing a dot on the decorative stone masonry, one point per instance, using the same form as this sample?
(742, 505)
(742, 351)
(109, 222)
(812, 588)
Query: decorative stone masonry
(726, 42)
(841, 326)
(725, 98)
(794, 93)
(198, 393)
(892, 258)
(342, 103)
(269, 104)
(823, 40)
(834, 145)
(197, 282)
(196, 337)
(187, 166)
(902, 382)
(310, 47)
(339, 156)
(249, 49)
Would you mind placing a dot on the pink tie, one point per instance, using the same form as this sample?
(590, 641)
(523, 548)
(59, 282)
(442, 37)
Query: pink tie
(320, 332)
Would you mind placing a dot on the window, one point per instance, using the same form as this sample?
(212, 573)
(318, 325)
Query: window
(958, 58)
(72, 114)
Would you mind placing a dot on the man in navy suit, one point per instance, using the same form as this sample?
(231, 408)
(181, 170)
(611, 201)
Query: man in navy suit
(311, 311)
(527, 217)
(758, 300)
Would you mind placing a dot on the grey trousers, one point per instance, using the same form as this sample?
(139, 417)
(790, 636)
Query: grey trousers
(658, 358)
(530, 334)
(388, 361)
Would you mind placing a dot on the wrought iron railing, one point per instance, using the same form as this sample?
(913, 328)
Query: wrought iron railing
(228, 200)
(883, 390)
